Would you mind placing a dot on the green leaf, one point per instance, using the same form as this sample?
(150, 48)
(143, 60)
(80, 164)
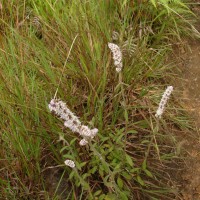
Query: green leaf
(145, 142)
(117, 167)
(119, 139)
(84, 176)
(148, 173)
(103, 139)
(68, 156)
(111, 197)
(78, 166)
(120, 182)
(84, 184)
(83, 164)
(126, 175)
(101, 171)
(142, 123)
(73, 141)
(71, 175)
(93, 170)
(64, 148)
(144, 164)
(102, 197)
(120, 131)
(140, 181)
(123, 196)
(105, 167)
(129, 160)
(107, 182)
(133, 170)
(97, 193)
(126, 115)
(143, 92)
(154, 3)
(132, 131)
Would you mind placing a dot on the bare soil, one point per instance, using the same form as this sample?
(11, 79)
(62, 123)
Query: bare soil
(188, 60)
(191, 99)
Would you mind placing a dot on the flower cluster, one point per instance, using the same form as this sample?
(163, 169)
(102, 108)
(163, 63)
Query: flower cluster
(163, 101)
(70, 163)
(117, 56)
(87, 133)
(71, 121)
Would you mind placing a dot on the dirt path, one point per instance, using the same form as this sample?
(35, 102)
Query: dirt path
(191, 96)
(189, 63)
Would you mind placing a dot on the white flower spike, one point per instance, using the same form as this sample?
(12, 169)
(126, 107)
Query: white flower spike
(163, 101)
(117, 56)
(71, 121)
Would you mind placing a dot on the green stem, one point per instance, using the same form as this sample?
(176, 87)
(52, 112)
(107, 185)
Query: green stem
(111, 174)
(84, 184)
(124, 106)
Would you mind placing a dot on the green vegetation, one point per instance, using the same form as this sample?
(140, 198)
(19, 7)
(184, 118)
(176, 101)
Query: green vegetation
(136, 148)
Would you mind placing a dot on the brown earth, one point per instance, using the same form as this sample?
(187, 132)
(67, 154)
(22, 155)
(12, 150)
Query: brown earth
(191, 101)
(188, 61)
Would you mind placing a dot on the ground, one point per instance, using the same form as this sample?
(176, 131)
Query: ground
(188, 60)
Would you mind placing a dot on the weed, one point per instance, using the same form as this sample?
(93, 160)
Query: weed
(128, 158)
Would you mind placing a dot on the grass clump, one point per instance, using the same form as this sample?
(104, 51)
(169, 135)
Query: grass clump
(130, 155)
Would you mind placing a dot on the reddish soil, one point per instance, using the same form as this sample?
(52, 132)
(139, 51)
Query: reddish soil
(188, 57)
(191, 97)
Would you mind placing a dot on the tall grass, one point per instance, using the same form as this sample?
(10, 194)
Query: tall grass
(36, 37)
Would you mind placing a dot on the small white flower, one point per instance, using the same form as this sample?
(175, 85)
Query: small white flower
(163, 101)
(85, 131)
(94, 132)
(117, 56)
(83, 142)
(88, 133)
(70, 163)
(118, 69)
